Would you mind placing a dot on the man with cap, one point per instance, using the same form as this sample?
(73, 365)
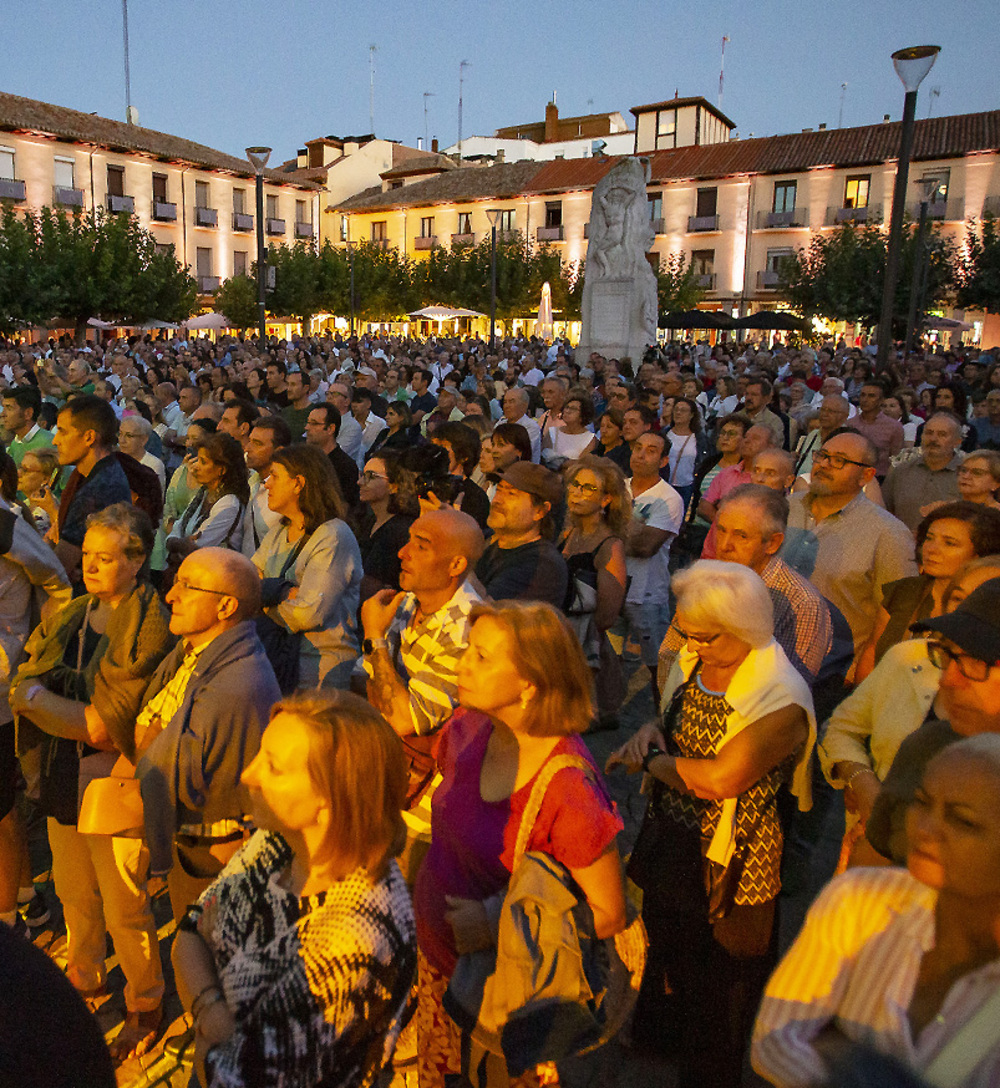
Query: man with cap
(965, 645)
(521, 562)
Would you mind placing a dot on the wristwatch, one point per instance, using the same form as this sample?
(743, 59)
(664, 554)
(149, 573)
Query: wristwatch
(370, 645)
(33, 690)
(651, 753)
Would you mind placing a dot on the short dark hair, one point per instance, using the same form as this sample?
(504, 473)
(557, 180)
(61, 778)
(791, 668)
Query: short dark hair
(25, 396)
(586, 406)
(463, 440)
(646, 414)
(282, 369)
(514, 435)
(331, 416)
(281, 433)
(245, 411)
(361, 394)
(90, 413)
(762, 381)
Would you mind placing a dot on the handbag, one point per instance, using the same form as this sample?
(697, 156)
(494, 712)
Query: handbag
(111, 804)
(572, 997)
(282, 646)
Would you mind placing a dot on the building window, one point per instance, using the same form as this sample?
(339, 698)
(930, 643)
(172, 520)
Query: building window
(666, 128)
(272, 206)
(707, 203)
(784, 196)
(506, 220)
(65, 173)
(163, 249)
(703, 262)
(6, 164)
(116, 181)
(935, 184)
(775, 258)
(204, 262)
(239, 201)
(465, 222)
(655, 205)
(201, 194)
(856, 191)
(379, 231)
(160, 188)
(427, 226)
(301, 211)
(553, 213)
(395, 185)
(240, 263)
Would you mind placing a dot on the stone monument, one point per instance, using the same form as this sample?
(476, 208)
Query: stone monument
(619, 307)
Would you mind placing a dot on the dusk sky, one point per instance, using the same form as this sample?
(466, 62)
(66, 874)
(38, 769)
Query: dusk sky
(228, 73)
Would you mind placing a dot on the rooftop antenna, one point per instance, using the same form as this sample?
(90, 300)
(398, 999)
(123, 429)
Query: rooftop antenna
(129, 112)
(935, 93)
(461, 77)
(843, 93)
(722, 69)
(427, 144)
(371, 87)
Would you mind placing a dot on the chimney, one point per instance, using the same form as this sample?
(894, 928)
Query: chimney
(885, 118)
(807, 130)
(302, 157)
(551, 122)
(822, 127)
(501, 154)
(420, 143)
(434, 145)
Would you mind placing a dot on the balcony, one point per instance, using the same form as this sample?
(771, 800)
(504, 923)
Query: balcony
(797, 217)
(207, 285)
(659, 226)
(428, 241)
(274, 226)
(303, 230)
(699, 223)
(380, 243)
(11, 190)
(941, 209)
(69, 198)
(164, 211)
(507, 236)
(206, 217)
(549, 234)
(872, 213)
(769, 280)
(706, 281)
(242, 221)
(991, 206)
(466, 238)
(119, 204)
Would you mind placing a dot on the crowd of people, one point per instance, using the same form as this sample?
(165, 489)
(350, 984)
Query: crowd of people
(310, 636)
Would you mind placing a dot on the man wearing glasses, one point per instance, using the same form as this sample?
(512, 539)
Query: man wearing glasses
(848, 547)
(210, 699)
(965, 645)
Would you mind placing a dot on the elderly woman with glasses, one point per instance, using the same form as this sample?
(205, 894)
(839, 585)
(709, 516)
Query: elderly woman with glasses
(737, 725)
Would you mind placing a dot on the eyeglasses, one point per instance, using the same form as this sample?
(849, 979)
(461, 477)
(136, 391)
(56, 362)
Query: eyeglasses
(836, 460)
(367, 477)
(972, 668)
(587, 489)
(966, 470)
(185, 586)
(702, 640)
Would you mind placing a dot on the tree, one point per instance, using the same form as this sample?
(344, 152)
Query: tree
(18, 271)
(677, 284)
(237, 299)
(979, 268)
(297, 282)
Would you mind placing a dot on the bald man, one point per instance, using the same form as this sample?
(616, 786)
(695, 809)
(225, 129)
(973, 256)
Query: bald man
(414, 639)
(775, 469)
(210, 700)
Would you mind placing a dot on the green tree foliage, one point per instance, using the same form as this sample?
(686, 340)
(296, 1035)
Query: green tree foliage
(840, 275)
(979, 269)
(237, 299)
(74, 267)
(298, 282)
(677, 284)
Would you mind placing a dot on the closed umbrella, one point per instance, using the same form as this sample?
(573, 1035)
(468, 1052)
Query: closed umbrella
(776, 320)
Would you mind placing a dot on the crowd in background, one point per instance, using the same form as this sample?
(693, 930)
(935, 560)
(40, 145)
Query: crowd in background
(261, 598)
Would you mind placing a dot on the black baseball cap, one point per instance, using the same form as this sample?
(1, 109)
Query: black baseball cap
(974, 626)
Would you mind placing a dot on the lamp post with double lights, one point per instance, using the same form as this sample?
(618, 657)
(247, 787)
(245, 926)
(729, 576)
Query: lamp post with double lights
(258, 157)
(493, 215)
(911, 65)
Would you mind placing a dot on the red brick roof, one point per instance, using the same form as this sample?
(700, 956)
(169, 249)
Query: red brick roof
(28, 115)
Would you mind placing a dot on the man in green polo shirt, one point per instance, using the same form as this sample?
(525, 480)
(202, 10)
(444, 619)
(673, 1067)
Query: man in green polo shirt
(21, 405)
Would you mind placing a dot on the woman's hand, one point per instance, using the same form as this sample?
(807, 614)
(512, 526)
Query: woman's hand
(633, 751)
(215, 1024)
(468, 921)
(861, 794)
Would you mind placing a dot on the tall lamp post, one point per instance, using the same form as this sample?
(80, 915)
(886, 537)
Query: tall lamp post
(911, 65)
(258, 157)
(493, 215)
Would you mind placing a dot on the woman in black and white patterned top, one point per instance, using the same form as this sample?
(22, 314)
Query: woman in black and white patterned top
(297, 962)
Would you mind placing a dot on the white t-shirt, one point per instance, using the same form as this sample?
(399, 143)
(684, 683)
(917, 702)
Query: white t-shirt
(661, 507)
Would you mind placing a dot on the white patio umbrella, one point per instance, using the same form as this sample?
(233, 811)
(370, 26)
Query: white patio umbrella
(443, 313)
(209, 321)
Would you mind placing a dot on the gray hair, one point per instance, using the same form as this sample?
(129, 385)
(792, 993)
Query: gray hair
(771, 505)
(131, 522)
(728, 596)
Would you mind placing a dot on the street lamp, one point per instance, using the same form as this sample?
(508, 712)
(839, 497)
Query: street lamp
(493, 215)
(930, 187)
(258, 157)
(911, 65)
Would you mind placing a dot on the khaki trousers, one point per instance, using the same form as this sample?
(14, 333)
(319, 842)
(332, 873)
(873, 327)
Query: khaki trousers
(101, 882)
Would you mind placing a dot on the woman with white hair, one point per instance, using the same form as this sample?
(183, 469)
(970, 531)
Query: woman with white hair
(737, 724)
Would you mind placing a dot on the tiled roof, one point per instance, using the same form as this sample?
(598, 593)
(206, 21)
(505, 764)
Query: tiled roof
(418, 162)
(501, 182)
(677, 103)
(29, 115)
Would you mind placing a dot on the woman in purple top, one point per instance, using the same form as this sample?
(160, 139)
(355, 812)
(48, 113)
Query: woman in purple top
(524, 689)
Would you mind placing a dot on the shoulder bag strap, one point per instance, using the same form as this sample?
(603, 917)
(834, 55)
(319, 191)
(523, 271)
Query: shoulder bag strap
(960, 1056)
(232, 528)
(677, 463)
(537, 796)
(294, 554)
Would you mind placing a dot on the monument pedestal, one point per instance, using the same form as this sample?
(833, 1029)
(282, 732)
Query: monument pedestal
(614, 316)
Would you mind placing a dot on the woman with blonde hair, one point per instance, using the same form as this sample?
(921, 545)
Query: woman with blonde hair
(524, 695)
(737, 718)
(593, 545)
(310, 925)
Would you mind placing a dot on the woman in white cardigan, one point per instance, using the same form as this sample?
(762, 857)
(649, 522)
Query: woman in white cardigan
(738, 723)
(311, 566)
